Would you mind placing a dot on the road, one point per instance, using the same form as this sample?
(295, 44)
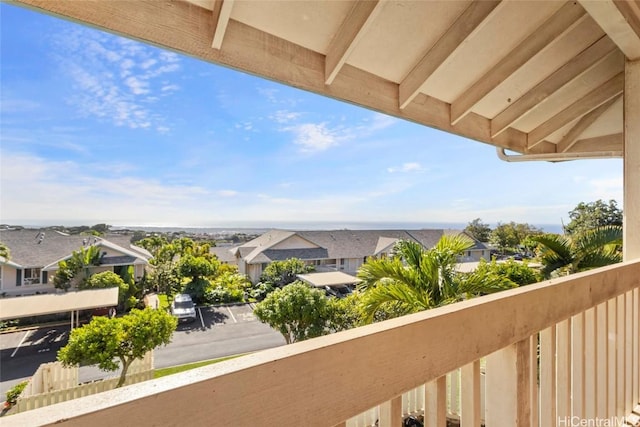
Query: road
(217, 332)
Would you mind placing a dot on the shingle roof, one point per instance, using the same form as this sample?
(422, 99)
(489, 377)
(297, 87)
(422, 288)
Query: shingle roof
(337, 243)
(36, 248)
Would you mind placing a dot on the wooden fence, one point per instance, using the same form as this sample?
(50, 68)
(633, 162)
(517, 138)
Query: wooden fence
(53, 383)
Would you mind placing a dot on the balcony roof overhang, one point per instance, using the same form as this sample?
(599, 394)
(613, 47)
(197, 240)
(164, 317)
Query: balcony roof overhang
(531, 77)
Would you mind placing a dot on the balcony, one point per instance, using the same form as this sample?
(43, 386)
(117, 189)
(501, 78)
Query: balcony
(557, 353)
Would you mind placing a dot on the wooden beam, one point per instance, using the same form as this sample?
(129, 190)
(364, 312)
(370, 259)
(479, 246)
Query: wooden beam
(611, 89)
(620, 21)
(631, 211)
(611, 143)
(468, 22)
(221, 14)
(562, 21)
(359, 19)
(583, 124)
(580, 64)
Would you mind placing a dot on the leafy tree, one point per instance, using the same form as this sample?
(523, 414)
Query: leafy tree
(478, 230)
(512, 235)
(69, 270)
(107, 279)
(111, 342)
(229, 286)
(281, 273)
(414, 279)
(296, 311)
(519, 273)
(587, 216)
(583, 251)
(345, 313)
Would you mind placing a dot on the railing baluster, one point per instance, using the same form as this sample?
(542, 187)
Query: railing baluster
(628, 354)
(508, 385)
(620, 380)
(548, 414)
(611, 356)
(601, 360)
(590, 366)
(470, 402)
(435, 403)
(391, 413)
(577, 366)
(534, 378)
(563, 369)
(636, 346)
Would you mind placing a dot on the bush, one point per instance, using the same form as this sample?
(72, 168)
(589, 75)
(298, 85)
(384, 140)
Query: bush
(13, 394)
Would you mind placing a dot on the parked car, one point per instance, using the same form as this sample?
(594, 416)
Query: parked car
(183, 308)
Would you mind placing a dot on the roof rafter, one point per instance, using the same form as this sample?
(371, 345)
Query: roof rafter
(468, 22)
(583, 62)
(562, 21)
(583, 124)
(599, 143)
(221, 14)
(620, 20)
(360, 17)
(610, 89)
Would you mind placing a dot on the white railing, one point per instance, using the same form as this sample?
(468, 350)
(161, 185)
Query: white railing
(586, 325)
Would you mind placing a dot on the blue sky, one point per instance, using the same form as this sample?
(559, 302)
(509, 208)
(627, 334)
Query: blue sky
(97, 128)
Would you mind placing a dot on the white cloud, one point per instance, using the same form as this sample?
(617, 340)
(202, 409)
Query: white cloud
(284, 116)
(606, 188)
(407, 167)
(115, 79)
(227, 193)
(312, 137)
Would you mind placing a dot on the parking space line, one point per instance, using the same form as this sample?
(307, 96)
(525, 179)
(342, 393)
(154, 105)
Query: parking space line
(26, 334)
(232, 316)
(201, 318)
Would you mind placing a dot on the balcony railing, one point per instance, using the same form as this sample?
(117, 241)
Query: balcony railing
(557, 352)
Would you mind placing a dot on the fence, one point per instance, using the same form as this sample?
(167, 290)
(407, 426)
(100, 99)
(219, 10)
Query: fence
(53, 383)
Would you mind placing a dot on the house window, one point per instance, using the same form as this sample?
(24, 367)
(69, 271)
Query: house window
(31, 276)
(342, 263)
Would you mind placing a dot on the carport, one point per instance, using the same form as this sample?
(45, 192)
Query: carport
(73, 301)
(330, 278)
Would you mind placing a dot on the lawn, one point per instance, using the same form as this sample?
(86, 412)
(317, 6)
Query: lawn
(181, 368)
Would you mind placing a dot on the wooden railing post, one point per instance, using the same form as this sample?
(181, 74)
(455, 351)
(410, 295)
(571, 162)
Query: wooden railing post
(435, 403)
(391, 413)
(470, 406)
(508, 383)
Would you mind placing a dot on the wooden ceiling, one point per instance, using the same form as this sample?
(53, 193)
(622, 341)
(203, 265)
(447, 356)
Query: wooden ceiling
(535, 77)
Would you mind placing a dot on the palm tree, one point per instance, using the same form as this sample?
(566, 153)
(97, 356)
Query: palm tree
(414, 279)
(573, 253)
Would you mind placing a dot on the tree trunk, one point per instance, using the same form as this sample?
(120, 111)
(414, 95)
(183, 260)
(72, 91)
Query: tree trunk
(123, 373)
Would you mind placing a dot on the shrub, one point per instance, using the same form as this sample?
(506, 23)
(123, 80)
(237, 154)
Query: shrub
(13, 394)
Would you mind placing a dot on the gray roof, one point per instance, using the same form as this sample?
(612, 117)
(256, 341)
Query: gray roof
(224, 253)
(36, 248)
(335, 244)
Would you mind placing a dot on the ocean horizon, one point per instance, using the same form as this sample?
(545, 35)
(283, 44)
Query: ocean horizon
(255, 227)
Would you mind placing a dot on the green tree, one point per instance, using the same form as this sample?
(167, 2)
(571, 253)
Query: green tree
(296, 311)
(478, 230)
(511, 236)
(114, 342)
(81, 261)
(587, 216)
(107, 279)
(281, 273)
(415, 279)
(4, 251)
(583, 251)
(518, 272)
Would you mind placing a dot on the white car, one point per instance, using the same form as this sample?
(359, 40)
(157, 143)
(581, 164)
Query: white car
(183, 308)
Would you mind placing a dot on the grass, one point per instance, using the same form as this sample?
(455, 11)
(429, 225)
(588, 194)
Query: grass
(164, 301)
(181, 368)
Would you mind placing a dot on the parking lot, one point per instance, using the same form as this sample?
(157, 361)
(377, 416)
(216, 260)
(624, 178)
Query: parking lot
(216, 332)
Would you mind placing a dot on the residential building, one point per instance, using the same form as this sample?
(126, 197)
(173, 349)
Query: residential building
(335, 250)
(35, 254)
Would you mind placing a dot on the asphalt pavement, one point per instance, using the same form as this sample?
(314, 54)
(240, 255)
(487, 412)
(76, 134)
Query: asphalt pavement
(217, 332)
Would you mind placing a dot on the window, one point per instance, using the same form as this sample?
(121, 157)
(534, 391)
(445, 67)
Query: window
(31, 276)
